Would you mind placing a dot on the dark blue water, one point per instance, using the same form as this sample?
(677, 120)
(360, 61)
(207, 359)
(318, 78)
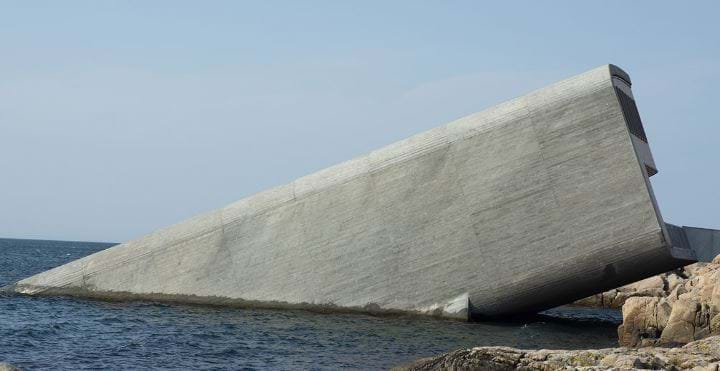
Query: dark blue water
(63, 333)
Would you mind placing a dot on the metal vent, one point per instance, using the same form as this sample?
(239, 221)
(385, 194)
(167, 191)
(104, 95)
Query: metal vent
(632, 116)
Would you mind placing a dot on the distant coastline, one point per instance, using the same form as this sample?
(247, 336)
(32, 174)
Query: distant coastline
(55, 242)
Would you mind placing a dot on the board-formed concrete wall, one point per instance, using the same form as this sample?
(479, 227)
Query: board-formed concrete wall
(532, 203)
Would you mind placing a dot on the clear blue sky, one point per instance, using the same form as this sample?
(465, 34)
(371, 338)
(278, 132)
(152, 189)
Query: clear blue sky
(117, 118)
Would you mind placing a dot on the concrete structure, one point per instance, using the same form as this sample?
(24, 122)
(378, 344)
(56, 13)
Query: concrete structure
(530, 204)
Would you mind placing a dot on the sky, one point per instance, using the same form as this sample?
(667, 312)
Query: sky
(121, 117)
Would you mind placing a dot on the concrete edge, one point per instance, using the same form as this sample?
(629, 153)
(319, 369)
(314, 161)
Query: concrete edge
(456, 309)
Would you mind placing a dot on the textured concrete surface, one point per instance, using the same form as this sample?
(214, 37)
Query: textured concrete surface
(532, 203)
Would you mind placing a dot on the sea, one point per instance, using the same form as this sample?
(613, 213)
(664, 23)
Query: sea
(56, 333)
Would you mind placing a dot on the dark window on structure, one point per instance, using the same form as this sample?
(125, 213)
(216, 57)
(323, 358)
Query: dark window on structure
(650, 171)
(632, 117)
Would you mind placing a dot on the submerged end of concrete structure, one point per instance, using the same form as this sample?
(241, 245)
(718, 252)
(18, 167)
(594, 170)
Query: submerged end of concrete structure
(455, 309)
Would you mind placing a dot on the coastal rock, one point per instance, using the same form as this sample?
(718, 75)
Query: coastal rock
(659, 286)
(8, 367)
(699, 355)
(687, 312)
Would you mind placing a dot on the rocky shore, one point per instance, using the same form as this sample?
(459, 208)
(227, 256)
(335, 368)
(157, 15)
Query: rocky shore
(659, 286)
(687, 312)
(699, 355)
(670, 322)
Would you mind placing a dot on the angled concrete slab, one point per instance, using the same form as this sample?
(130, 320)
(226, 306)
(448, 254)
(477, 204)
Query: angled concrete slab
(530, 204)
